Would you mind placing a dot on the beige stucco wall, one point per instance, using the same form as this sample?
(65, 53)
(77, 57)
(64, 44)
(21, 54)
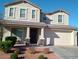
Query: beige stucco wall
(6, 32)
(17, 8)
(54, 18)
(53, 37)
(59, 38)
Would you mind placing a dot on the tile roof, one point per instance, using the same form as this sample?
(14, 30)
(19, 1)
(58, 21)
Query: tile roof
(22, 22)
(60, 10)
(53, 26)
(21, 1)
(35, 24)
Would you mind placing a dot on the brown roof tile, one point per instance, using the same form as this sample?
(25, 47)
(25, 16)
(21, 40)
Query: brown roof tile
(38, 24)
(21, 1)
(23, 23)
(60, 10)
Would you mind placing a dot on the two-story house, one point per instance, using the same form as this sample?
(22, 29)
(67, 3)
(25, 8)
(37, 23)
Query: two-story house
(27, 22)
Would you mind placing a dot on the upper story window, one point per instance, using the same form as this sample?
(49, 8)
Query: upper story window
(11, 12)
(33, 13)
(22, 12)
(59, 18)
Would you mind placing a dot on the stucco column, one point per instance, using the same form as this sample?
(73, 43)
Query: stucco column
(41, 38)
(42, 33)
(73, 38)
(28, 34)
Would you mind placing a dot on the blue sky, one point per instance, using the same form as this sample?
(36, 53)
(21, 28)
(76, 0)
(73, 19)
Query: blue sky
(71, 6)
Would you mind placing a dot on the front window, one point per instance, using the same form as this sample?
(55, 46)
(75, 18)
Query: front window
(22, 12)
(33, 13)
(17, 32)
(11, 12)
(59, 18)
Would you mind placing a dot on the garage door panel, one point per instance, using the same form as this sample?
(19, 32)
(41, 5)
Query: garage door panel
(59, 38)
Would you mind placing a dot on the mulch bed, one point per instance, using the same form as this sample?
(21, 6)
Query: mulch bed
(39, 52)
(4, 55)
(27, 55)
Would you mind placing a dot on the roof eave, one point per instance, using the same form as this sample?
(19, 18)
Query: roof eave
(57, 12)
(10, 4)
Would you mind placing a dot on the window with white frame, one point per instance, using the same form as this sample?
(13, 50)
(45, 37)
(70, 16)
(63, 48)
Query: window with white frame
(60, 18)
(33, 13)
(11, 12)
(22, 13)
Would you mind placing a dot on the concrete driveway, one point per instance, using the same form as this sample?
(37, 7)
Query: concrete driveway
(66, 52)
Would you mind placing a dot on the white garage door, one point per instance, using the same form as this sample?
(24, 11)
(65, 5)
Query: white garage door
(58, 38)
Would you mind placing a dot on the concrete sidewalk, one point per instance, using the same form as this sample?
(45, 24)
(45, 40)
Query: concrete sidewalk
(66, 52)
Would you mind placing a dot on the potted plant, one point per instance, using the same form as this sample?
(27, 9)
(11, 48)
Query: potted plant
(27, 42)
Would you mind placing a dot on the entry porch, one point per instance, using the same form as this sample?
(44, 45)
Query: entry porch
(31, 32)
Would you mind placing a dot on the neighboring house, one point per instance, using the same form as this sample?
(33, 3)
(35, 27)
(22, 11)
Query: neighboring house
(27, 22)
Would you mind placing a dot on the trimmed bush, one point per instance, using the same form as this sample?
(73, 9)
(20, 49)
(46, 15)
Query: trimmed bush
(11, 38)
(14, 56)
(41, 57)
(5, 46)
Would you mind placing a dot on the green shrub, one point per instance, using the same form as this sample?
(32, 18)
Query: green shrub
(14, 56)
(0, 45)
(11, 38)
(41, 57)
(0, 38)
(5, 45)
